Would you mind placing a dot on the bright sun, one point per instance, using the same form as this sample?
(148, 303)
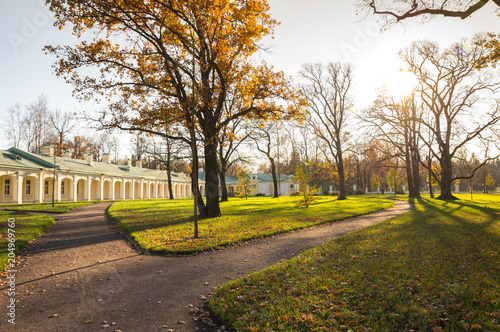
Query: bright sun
(400, 84)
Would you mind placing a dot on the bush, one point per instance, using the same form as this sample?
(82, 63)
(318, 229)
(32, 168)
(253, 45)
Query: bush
(295, 194)
(350, 191)
(360, 191)
(326, 192)
(260, 194)
(400, 191)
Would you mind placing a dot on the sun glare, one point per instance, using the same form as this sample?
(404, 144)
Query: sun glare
(400, 84)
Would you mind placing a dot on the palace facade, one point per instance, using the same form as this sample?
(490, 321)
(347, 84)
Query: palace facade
(30, 178)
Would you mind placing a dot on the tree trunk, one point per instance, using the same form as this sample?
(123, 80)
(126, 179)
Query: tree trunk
(169, 177)
(415, 167)
(275, 177)
(224, 196)
(342, 189)
(211, 178)
(446, 175)
(430, 178)
(201, 205)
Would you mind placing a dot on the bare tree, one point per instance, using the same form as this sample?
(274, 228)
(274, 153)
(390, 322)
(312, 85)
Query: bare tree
(327, 89)
(14, 125)
(63, 123)
(270, 141)
(458, 99)
(397, 11)
(37, 130)
(230, 140)
(168, 154)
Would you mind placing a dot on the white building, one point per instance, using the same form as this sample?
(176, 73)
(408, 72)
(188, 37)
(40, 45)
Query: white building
(30, 178)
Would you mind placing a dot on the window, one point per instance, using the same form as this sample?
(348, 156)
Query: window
(28, 187)
(291, 186)
(46, 187)
(62, 188)
(7, 187)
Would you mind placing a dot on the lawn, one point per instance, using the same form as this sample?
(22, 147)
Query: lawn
(27, 227)
(166, 226)
(59, 207)
(436, 268)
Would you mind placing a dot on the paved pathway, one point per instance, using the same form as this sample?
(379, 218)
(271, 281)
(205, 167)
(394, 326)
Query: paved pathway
(82, 275)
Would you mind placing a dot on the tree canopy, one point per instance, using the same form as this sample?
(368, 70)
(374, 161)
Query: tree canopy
(167, 67)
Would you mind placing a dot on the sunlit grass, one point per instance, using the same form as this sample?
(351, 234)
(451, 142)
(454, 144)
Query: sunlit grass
(27, 227)
(436, 268)
(167, 226)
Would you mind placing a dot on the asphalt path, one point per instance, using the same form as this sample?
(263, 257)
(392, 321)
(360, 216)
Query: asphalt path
(84, 275)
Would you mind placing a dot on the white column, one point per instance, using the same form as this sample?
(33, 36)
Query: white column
(57, 188)
(41, 183)
(113, 189)
(89, 189)
(75, 184)
(141, 190)
(101, 188)
(18, 197)
(123, 189)
(133, 189)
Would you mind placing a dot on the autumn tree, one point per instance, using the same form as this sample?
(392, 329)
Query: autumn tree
(393, 179)
(173, 62)
(327, 89)
(375, 181)
(458, 100)
(305, 190)
(244, 188)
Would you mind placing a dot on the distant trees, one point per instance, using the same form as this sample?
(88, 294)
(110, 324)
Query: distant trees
(396, 122)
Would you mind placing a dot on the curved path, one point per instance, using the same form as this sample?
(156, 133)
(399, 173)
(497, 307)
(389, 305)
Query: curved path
(82, 275)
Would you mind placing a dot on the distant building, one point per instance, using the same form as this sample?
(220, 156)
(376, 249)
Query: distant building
(27, 178)
(263, 184)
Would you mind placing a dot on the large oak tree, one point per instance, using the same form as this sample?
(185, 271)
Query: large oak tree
(160, 63)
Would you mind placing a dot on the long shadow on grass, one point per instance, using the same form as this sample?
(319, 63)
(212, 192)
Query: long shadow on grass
(440, 258)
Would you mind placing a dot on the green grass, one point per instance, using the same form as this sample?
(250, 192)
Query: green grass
(59, 207)
(27, 227)
(436, 268)
(166, 226)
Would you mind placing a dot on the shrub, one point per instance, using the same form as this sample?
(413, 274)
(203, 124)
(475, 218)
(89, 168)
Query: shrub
(360, 191)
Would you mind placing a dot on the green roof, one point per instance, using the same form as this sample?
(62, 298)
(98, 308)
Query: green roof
(18, 158)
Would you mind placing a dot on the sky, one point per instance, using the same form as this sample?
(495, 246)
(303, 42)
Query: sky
(310, 31)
